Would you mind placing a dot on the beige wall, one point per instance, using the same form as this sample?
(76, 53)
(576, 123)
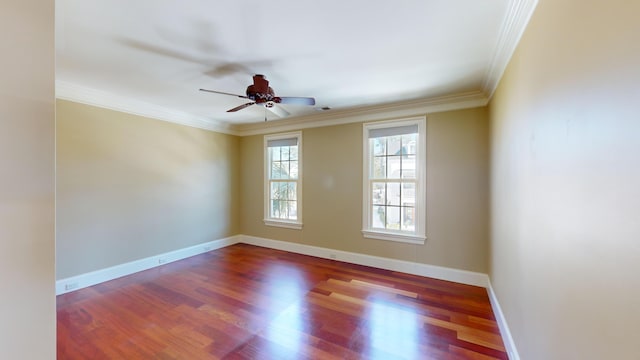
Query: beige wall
(27, 134)
(130, 187)
(565, 249)
(457, 192)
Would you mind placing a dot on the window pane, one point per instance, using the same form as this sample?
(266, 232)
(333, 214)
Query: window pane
(379, 146)
(408, 194)
(282, 191)
(409, 144)
(292, 210)
(293, 153)
(378, 217)
(275, 191)
(286, 191)
(408, 219)
(275, 209)
(394, 164)
(393, 144)
(290, 188)
(275, 153)
(276, 170)
(393, 218)
(378, 194)
(393, 193)
(293, 170)
(379, 170)
(285, 169)
(409, 167)
(284, 152)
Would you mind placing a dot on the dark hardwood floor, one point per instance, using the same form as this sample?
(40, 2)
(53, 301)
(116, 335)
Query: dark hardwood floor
(248, 302)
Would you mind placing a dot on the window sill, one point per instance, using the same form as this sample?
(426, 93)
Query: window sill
(283, 224)
(411, 239)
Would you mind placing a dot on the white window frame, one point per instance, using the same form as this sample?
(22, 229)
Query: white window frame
(297, 224)
(419, 235)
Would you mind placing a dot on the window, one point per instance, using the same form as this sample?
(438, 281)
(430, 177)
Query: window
(283, 184)
(394, 191)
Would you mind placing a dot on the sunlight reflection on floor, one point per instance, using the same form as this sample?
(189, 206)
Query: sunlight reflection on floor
(393, 331)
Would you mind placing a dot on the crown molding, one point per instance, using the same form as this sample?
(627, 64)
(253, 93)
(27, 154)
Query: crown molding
(514, 25)
(99, 98)
(518, 15)
(367, 113)
(103, 99)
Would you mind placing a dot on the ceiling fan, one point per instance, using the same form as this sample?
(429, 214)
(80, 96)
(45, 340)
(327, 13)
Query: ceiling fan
(261, 93)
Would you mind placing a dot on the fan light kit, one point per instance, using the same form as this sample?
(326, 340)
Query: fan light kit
(262, 94)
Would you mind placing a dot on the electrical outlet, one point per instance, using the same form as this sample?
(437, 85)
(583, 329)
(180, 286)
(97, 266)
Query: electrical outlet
(71, 286)
(162, 261)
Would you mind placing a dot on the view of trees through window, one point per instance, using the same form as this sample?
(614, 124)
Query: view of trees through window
(393, 182)
(283, 176)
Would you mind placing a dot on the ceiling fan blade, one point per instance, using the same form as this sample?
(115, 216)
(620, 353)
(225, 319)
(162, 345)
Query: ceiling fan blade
(278, 110)
(157, 50)
(226, 68)
(241, 107)
(224, 93)
(298, 100)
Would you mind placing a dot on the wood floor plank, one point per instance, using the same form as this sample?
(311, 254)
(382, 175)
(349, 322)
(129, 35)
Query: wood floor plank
(249, 302)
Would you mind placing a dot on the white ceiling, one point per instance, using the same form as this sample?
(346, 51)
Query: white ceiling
(152, 56)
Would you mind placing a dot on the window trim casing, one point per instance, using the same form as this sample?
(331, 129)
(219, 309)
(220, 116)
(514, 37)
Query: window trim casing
(297, 224)
(419, 236)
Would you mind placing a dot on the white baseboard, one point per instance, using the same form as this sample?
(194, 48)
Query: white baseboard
(509, 344)
(437, 272)
(95, 277)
